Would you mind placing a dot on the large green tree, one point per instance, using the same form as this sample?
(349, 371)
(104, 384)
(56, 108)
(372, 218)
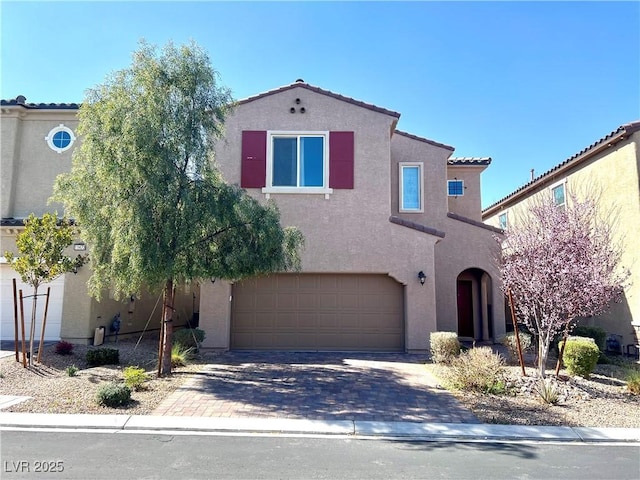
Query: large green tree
(143, 189)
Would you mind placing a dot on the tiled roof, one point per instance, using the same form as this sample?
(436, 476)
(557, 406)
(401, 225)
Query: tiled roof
(425, 140)
(605, 142)
(469, 161)
(416, 226)
(475, 223)
(19, 222)
(20, 100)
(302, 84)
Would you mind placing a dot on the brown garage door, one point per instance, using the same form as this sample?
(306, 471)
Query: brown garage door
(318, 312)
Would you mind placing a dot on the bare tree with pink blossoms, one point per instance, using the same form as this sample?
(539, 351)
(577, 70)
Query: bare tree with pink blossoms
(561, 263)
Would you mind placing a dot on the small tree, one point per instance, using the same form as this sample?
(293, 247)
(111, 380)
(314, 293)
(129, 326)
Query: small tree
(41, 257)
(152, 207)
(560, 263)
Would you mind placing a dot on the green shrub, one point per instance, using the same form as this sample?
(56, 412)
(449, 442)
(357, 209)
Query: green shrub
(509, 341)
(135, 378)
(444, 346)
(598, 334)
(580, 356)
(71, 371)
(479, 369)
(113, 395)
(189, 337)
(103, 356)
(64, 348)
(181, 355)
(633, 382)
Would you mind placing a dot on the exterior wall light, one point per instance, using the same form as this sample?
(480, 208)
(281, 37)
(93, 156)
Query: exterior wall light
(422, 277)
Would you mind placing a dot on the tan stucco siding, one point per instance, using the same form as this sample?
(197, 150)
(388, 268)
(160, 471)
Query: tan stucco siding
(348, 232)
(465, 247)
(31, 166)
(469, 204)
(434, 160)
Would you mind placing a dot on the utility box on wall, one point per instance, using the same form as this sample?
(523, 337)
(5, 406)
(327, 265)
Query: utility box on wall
(98, 336)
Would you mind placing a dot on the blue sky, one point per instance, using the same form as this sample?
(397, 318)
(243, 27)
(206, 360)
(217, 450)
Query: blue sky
(526, 83)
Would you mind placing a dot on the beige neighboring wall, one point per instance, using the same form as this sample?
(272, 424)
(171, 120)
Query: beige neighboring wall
(612, 174)
(29, 166)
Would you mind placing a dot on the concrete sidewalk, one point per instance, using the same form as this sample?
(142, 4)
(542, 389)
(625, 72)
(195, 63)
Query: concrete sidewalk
(357, 429)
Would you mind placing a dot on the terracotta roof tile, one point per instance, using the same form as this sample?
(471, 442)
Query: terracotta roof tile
(21, 100)
(425, 140)
(302, 84)
(416, 226)
(469, 161)
(605, 142)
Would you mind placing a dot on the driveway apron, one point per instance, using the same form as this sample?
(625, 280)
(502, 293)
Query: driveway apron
(318, 386)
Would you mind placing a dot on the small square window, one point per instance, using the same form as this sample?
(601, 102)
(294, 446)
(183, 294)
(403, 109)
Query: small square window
(411, 186)
(558, 194)
(455, 188)
(502, 220)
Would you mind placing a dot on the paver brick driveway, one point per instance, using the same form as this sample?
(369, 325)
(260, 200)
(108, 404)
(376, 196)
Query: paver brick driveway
(323, 386)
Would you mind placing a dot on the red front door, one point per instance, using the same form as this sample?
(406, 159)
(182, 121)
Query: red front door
(465, 309)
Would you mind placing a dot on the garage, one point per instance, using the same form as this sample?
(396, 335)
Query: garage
(54, 315)
(309, 312)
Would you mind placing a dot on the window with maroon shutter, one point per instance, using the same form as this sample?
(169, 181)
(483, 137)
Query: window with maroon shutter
(341, 155)
(254, 159)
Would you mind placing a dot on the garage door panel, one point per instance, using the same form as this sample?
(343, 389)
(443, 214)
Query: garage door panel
(285, 320)
(307, 301)
(327, 301)
(318, 312)
(263, 301)
(286, 301)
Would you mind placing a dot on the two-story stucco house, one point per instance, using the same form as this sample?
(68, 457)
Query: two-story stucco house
(395, 247)
(609, 169)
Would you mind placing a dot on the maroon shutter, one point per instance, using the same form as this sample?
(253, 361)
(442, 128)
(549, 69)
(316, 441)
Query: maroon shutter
(341, 159)
(254, 159)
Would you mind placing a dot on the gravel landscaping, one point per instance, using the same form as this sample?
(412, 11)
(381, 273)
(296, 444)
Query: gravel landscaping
(600, 401)
(53, 391)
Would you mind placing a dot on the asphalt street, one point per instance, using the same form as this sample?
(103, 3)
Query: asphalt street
(123, 455)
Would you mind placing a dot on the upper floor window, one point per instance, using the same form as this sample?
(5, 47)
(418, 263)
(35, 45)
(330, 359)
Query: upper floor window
(558, 195)
(455, 188)
(297, 160)
(60, 138)
(411, 187)
(503, 220)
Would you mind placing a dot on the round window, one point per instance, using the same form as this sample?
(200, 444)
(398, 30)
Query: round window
(60, 138)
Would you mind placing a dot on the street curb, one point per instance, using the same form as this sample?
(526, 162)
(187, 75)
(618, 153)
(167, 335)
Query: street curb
(424, 431)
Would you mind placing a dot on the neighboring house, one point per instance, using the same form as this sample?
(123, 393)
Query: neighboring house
(37, 142)
(610, 170)
(379, 208)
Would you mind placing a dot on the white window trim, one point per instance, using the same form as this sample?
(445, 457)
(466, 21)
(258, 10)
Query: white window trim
(401, 165)
(455, 180)
(553, 186)
(269, 189)
(53, 131)
(506, 218)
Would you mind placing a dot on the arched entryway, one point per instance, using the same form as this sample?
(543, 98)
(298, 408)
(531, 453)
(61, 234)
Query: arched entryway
(474, 302)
